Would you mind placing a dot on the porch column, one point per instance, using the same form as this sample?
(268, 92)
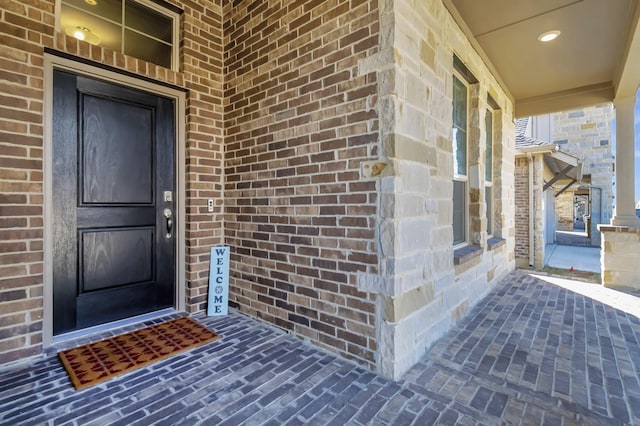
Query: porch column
(625, 213)
(621, 240)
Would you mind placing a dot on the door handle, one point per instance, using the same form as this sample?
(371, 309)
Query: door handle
(167, 215)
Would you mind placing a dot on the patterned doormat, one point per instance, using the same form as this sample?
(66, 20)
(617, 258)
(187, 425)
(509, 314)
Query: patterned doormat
(96, 362)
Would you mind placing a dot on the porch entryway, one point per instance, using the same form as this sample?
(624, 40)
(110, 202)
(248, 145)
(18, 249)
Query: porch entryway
(537, 350)
(113, 203)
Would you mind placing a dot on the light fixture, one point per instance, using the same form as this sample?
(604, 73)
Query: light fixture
(548, 36)
(83, 33)
(91, 2)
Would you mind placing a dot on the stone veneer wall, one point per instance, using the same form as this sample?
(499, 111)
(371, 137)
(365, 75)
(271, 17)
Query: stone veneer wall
(301, 122)
(586, 134)
(564, 210)
(27, 27)
(619, 257)
(421, 294)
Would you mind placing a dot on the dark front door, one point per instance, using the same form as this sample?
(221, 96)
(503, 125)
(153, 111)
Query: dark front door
(113, 188)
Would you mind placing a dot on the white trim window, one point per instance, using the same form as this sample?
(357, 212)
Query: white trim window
(143, 29)
(460, 149)
(488, 179)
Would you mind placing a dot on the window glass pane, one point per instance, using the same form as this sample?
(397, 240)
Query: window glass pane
(459, 104)
(459, 207)
(107, 9)
(108, 33)
(148, 21)
(147, 49)
(488, 196)
(460, 152)
(148, 33)
(489, 158)
(459, 127)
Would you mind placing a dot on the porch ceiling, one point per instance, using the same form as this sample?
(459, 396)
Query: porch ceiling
(594, 60)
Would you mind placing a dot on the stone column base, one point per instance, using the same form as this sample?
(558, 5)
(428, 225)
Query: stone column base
(620, 256)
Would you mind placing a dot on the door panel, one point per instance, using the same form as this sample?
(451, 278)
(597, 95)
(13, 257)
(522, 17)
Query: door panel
(112, 258)
(113, 160)
(117, 142)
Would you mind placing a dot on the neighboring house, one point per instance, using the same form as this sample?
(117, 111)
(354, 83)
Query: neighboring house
(572, 178)
(540, 168)
(356, 156)
(586, 134)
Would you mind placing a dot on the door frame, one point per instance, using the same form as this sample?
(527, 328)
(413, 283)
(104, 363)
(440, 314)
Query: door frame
(52, 62)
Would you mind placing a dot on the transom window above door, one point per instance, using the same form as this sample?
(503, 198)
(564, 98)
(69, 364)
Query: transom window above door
(140, 28)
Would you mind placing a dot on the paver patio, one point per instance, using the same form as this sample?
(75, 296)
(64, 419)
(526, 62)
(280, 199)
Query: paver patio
(530, 353)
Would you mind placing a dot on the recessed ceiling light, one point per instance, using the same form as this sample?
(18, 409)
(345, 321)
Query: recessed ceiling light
(91, 2)
(83, 33)
(548, 36)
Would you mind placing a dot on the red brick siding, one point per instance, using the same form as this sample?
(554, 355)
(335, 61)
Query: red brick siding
(26, 27)
(299, 122)
(522, 208)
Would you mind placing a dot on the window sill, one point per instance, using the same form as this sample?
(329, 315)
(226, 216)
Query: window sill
(495, 242)
(465, 254)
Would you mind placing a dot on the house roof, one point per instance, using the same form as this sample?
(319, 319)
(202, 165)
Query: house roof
(565, 167)
(523, 141)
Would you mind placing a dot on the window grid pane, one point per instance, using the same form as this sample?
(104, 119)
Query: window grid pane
(152, 38)
(489, 152)
(459, 127)
(488, 195)
(148, 22)
(459, 211)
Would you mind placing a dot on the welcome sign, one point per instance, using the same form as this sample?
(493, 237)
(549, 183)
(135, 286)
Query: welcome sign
(218, 282)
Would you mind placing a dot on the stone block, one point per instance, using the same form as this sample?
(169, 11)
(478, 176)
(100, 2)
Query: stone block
(374, 169)
(410, 205)
(617, 261)
(427, 55)
(407, 281)
(621, 279)
(400, 265)
(414, 234)
(459, 311)
(388, 205)
(398, 308)
(387, 238)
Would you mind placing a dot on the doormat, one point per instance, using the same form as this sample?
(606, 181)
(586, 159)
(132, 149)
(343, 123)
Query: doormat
(96, 362)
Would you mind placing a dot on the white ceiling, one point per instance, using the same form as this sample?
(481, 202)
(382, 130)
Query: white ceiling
(596, 58)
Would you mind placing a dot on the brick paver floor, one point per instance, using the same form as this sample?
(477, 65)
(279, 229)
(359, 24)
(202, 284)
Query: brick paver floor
(530, 353)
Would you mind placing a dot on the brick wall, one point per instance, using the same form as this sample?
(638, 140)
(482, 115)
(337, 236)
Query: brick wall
(23, 28)
(300, 121)
(530, 212)
(521, 176)
(27, 27)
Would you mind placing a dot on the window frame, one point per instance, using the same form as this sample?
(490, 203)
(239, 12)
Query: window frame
(165, 9)
(457, 177)
(489, 175)
(175, 21)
